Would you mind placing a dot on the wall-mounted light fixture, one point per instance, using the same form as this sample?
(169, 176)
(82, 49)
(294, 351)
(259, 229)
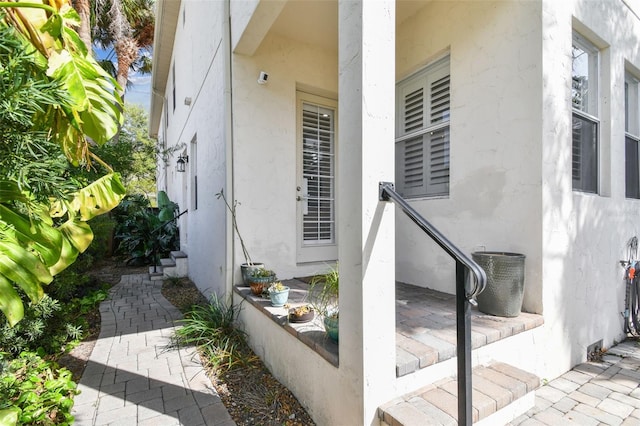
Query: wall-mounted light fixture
(182, 163)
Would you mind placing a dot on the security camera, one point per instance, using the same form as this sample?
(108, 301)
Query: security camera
(263, 77)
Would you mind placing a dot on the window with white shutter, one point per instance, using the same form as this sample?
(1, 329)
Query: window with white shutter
(585, 122)
(318, 174)
(422, 132)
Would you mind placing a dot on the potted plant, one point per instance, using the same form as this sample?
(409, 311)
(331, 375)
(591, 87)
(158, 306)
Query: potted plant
(259, 279)
(323, 293)
(304, 313)
(278, 293)
(247, 267)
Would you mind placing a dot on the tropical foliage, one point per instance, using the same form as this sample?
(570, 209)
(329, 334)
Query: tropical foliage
(56, 101)
(133, 154)
(34, 391)
(144, 233)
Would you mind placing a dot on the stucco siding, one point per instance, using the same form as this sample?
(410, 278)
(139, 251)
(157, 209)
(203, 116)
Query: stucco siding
(585, 234)
(494, 200)
(265, 150)
(199, 63)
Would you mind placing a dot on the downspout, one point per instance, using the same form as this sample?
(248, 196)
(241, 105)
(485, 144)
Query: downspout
(229, 186)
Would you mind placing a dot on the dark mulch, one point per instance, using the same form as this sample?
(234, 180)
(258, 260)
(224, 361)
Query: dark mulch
(250, 393)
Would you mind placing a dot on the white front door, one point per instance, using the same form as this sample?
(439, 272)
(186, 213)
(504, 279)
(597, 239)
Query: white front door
(315, 189)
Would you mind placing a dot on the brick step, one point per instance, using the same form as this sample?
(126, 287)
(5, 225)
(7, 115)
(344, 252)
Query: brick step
(495, 387)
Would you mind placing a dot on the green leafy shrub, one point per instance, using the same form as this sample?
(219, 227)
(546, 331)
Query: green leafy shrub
(143, 233)
(49, 324)
(212, 328)
(38, 392)
(102, 245)
(67, 283)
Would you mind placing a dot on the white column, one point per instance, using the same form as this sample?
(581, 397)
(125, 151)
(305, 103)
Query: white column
(366, 226)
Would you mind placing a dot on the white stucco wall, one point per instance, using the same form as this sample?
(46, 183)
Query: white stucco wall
(511, 184)
(585, 235)
(317, 384)
(265, 150)
(494, 201)
(510, 159)
(198, 57)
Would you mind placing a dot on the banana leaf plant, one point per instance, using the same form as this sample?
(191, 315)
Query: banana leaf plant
(40, 239)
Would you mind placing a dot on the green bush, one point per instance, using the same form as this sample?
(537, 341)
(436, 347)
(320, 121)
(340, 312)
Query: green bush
(35, 391)
(49, 325)
(212, 328)
(102, 246)
(143, 233)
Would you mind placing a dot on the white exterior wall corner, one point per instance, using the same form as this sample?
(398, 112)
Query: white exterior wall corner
(584, 236)
(495, 196)
(199, 61)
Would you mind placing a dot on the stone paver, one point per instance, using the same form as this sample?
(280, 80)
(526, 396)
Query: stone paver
(132, 379)
(593, 393)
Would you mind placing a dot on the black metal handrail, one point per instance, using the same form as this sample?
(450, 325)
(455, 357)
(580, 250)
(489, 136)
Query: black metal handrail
(464, 298)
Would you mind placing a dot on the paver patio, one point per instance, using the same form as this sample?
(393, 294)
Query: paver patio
(131, 378)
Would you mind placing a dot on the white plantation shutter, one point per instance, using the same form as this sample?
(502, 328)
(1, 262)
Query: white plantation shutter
(422, 140)
(318, 174)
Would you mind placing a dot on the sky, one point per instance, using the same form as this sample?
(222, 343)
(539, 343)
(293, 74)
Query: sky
(139, 92)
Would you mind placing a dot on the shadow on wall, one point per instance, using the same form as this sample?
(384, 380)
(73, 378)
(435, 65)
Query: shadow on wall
(584, 235)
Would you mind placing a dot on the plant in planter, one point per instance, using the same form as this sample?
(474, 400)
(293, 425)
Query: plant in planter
(323, 293)
(259, 280)
(278, 293)
(304, 313)
(247, 267)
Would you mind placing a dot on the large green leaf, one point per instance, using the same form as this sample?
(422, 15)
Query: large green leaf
(9, 417)
(10, 303)
(68, 255)
(93, 92)
(78, 233)
(99, 197)
(39, 236)
(23, 268)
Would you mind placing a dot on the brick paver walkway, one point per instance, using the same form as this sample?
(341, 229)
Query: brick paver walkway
(593, 393)
(131, 378)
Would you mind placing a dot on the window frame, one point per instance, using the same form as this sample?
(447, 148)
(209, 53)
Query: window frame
(432, 125)
(586, 176)
(173, 84)
(632, 135)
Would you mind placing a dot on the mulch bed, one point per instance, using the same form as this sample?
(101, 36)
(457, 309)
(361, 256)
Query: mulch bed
(250, 393)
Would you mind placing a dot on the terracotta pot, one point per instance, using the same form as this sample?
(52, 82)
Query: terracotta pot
(257, 288)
